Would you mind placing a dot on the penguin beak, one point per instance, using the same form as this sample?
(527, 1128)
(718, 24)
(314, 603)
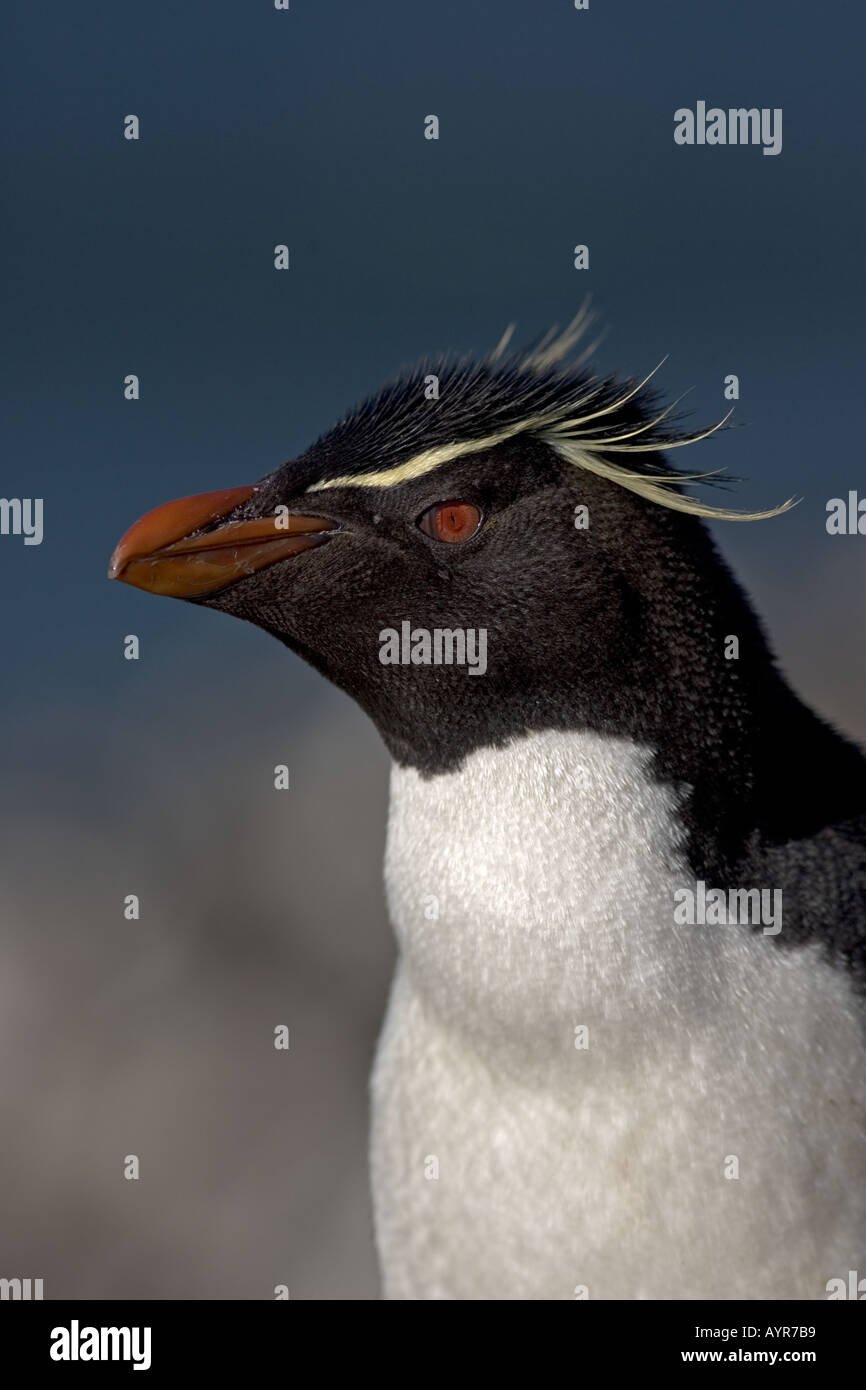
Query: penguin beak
(168, 551)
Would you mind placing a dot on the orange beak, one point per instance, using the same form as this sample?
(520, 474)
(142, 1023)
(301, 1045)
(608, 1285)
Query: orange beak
(163, 554)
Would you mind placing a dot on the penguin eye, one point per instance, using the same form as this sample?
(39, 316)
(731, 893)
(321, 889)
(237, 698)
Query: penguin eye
(450, 521)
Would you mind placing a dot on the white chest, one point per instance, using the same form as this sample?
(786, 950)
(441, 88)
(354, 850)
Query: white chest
(566, 1075)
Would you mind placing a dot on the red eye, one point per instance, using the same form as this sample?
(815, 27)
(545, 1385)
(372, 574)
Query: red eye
(451, 521)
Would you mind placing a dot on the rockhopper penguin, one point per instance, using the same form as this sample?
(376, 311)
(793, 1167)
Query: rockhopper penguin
(593, 1080)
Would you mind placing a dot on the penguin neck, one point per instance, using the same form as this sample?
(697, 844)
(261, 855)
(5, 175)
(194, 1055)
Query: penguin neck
(691, 685)
(672, 660)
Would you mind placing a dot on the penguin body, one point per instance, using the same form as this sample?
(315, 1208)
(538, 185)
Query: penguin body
(607, 1095)
(579, 1090)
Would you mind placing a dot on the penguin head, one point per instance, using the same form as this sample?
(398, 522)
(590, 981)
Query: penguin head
(469, 554)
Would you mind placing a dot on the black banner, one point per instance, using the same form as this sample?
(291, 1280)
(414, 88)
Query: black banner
(163, 1338)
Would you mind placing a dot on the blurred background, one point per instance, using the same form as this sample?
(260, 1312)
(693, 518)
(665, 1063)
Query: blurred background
(155, 777)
